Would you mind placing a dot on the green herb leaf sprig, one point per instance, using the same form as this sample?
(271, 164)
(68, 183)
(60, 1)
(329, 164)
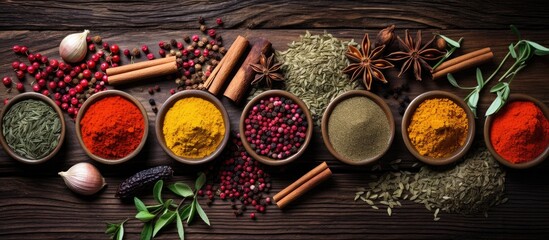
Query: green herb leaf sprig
(157, 216)
(454, 45)
(521, 51)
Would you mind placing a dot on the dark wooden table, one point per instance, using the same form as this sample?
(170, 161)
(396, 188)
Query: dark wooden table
(35, 204)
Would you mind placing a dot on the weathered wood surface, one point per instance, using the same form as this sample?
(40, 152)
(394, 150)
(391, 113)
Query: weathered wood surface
(35, 204)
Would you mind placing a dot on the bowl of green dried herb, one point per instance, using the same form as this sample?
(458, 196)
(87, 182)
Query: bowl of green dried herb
(358, 127)
(33, 128)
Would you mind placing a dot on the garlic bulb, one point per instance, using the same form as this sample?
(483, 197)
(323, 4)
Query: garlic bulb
(83, 178)
(73, 48)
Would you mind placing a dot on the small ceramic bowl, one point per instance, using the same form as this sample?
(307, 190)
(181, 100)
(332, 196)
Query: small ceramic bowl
(159, 125)
(461, 151)
(488, 126)
(51, 103)
(326, 117)
(308, 134)
(93, 99)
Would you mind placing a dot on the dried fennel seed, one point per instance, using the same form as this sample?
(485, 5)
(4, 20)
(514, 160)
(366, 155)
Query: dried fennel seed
(312, 68)
(472, 186)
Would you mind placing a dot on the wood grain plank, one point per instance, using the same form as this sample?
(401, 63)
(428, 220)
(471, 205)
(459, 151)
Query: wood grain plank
(256, 14)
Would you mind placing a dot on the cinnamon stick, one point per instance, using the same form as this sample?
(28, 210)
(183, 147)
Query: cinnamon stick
(217, 78)
(475, 61)
(139, 65)
(238, 86)
(154, 71)
(303, 185)
(461, 58)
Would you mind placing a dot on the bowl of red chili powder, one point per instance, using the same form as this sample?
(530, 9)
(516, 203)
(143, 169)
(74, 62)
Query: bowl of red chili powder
(518, 135)
(112, 126)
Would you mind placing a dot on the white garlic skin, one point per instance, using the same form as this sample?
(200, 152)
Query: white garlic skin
(73, 48)
(83, 178)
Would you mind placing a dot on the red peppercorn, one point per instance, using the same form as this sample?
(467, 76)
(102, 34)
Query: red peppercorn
(20, 74)
(172, 91)
(22, 66)
(61, 84)
(16, 48)
(219, 21)
(161, 52)
(98, 75)
(115, 49)
(90, 64)
(105, 45)
(20, 87)
(104, 66)
(211, 32)
(44, 59)
(52, 85)
(64, 106)
(180, 45)
(45, 92)
(6, 100)
(150, 56)
(195, 38)
(24, 49)
(145, 49)
(36, 87)
(87, 73)
(91, 47)
(6, 81)
(161, 44)
(127, 52)
(15, 65)
(252, 216)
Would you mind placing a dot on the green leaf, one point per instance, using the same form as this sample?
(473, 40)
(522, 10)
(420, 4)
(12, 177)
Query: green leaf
(146, 233)
(452, 81)
(498, 87)
(480, 79)
(201, 213)
(157, 191)
(181, 189)
(506, 92)
(512, 51)
(516, 31)
(144, 216)
(186, 211)
(200, 181)
(180, 230)
(139, 205)
(450, 41)
(120, 234)
(154, 207)
(473, 100)
(164, 220)
(192, 212)
(540, 50)
(494, 107)
(111, 228)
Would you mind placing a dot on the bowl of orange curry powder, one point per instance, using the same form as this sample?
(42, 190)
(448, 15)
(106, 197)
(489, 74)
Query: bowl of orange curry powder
(112, 126)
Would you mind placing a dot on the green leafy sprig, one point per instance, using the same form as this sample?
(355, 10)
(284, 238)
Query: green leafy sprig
(157, 216)
(454, 45)
(521, 51)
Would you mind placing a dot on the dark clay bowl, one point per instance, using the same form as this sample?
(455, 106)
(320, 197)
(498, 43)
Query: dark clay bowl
(51, 103)
(93, 99)
(159, 125)
(460, 152)
(488, 126)
(264, 159)
(326, 117)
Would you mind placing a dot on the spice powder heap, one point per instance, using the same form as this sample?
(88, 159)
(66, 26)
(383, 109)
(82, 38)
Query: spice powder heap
(32, 129)
(193, 128)
(112, 128)
(520, 132)
(358, 129)
(438, 128)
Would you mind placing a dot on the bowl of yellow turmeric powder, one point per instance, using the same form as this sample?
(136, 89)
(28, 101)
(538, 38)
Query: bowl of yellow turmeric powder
(438, 128)
(193, 127)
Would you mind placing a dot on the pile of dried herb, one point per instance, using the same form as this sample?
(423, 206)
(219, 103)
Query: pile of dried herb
(472, 186)
(312, 67)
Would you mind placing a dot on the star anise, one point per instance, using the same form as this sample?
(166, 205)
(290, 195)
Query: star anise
(415, 55)
(266, 71)
(366, 62)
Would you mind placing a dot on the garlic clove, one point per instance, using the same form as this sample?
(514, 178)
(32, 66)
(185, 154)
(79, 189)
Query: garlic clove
(73, 48)
(83, 178)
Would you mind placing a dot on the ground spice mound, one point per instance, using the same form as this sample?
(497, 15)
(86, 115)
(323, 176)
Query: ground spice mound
(438, 127)
(520, 132)
(112, 127)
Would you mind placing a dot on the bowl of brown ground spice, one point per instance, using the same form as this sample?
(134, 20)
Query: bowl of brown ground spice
(358, 127)
(438, 128)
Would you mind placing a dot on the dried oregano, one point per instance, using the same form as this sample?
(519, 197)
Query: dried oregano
(472, 186)
(312, 68)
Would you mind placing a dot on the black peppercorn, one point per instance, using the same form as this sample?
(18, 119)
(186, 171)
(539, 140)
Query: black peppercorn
(152, 102)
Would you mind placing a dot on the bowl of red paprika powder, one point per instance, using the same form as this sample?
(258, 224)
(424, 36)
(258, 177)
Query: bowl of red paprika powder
(518, 134)
(112, 126)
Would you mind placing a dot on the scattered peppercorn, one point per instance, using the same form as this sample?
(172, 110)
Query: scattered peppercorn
(240, 179)
(151, 91)
(97, 39)
(152, 102)
(201, 20)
